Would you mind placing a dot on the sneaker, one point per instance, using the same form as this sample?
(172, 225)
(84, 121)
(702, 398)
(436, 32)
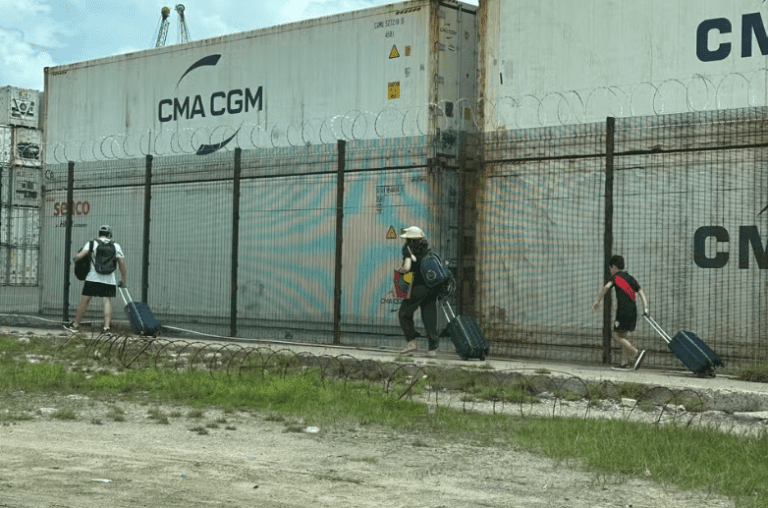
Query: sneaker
(432, 353)
(623, 366)
(409, 348)
(71, 327)
(639, 360)
(105, 330)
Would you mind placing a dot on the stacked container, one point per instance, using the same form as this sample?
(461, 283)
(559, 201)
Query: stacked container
(21, 179)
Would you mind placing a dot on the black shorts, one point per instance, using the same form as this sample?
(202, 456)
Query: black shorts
(99, 289)
(625, 322)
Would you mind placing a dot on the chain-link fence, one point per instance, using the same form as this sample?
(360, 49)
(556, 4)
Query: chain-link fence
(254, 242)
(679, 196)
(300, 242)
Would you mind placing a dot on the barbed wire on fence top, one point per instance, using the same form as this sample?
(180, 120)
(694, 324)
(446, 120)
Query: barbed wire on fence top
(695, 94)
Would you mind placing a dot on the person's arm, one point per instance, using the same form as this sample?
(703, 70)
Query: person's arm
(123, 271)
(606, 288)
(407, 264)
(645, 301)
(81, 254)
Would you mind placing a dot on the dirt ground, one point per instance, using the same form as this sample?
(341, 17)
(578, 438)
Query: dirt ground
(245, 459)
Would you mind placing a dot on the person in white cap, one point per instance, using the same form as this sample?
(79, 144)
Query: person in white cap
(421, 297)
(100, 281)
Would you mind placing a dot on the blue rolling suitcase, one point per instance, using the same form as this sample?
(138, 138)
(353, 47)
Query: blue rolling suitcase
(141, 317)
(690, 350)
(466, 335)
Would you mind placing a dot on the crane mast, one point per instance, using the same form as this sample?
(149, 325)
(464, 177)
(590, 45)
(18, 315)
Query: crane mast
(183, 30)
(162, 34)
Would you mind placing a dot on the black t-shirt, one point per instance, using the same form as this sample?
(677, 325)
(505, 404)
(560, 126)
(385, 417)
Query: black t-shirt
(626, 293)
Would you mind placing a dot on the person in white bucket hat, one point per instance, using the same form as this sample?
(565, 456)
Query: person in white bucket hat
(421, 297)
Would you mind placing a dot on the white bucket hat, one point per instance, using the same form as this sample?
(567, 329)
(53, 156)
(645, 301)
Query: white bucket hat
(412, 232)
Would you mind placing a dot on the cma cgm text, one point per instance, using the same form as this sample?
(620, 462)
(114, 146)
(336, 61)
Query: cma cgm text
(232, 102)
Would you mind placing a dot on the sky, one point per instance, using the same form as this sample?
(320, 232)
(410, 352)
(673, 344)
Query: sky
(35, 34)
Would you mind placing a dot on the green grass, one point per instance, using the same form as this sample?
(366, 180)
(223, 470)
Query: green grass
(757, 373)
(691, 458)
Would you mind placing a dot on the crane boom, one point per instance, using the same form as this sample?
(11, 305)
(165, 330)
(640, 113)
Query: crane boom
(162, 34)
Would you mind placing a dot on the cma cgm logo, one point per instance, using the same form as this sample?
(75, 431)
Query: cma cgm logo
(752, 28)
(749, 240)
(230, 102)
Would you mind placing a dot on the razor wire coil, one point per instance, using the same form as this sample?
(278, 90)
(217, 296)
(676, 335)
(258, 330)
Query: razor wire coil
(493, 391)
(698, 93)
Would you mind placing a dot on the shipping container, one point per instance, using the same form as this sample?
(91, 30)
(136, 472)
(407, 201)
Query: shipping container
(405, 69)
(26, 147)
(5, 145)
(549, 62)
(20, 200)
(20, 106)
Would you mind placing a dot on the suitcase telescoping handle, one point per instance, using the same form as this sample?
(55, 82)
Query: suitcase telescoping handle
(443, 305)
(659, 330)
(123, 293)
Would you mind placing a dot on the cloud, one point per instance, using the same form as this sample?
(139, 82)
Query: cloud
(21, 63)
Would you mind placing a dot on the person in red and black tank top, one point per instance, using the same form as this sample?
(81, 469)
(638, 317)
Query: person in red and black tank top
(627, 290)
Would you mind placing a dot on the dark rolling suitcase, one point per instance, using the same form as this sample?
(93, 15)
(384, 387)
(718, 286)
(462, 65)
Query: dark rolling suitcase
(466, 335)
(139, 314)
(690, 350)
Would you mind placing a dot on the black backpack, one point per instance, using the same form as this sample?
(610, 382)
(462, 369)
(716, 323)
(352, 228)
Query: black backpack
(434, 271)
(82, 267)
(105, 261)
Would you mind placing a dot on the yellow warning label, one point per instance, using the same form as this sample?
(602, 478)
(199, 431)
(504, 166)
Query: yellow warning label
(391, 234)
(394, 53)
(393, 90)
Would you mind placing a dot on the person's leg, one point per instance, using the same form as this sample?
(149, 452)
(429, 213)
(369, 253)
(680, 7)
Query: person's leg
(107, 312)
(405, 315)
(627, 349)
(429, 316)
(81, 308)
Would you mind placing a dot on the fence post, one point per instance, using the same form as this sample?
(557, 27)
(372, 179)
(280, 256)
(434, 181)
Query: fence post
(342, 150)
(470, 175)
(147, 219)
(235, 241)
(68, 239)
(608, 237)
(2, 276)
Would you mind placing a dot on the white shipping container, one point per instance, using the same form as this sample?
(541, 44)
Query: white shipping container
(20, 106)
(19, 224)
(548, 62)
(398, 70)
(26, 147)
(5, 144)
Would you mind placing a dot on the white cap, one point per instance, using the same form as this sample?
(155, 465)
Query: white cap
(412, 232)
